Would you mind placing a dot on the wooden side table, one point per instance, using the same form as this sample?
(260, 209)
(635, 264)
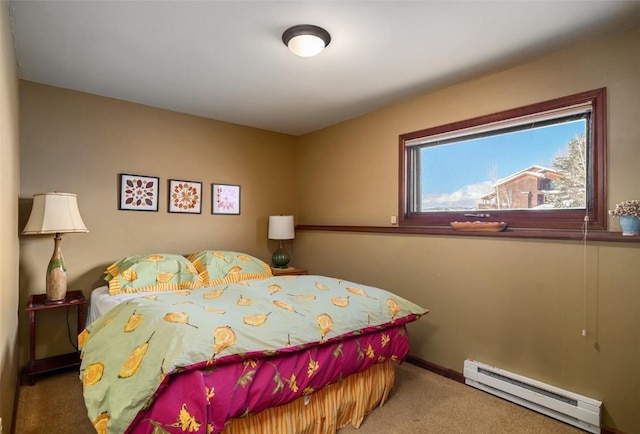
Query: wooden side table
(54, 363)
(291, 271)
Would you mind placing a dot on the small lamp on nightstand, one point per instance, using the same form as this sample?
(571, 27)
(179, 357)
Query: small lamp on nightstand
(55, 213)
(281, 228)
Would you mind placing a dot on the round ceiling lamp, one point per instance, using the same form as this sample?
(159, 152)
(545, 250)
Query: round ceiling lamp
(306, 40)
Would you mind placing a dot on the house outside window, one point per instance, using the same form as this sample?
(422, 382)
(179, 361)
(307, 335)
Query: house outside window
(534, 180)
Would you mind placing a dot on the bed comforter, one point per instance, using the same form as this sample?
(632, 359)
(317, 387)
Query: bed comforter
(188, 361)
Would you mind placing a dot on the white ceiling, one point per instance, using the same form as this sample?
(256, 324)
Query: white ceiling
(225, 59)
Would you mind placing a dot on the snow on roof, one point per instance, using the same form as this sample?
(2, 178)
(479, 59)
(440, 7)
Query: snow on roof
(534, 170)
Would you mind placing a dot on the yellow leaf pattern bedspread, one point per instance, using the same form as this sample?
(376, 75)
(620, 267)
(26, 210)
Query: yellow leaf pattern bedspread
(131, 353)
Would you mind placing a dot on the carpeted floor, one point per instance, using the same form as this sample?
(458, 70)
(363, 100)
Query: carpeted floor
(423, 402)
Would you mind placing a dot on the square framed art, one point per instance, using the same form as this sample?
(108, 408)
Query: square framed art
(138, 193)
(225, 199)
(185, 196)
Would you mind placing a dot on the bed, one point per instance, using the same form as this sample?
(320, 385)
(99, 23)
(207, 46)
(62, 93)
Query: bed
(213, 343)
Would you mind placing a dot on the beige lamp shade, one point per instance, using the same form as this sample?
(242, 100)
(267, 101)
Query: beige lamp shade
(281, 227)
(54, 213)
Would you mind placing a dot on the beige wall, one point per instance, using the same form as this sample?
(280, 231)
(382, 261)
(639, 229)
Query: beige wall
(9, 185)
(515, 304)
(79, 143)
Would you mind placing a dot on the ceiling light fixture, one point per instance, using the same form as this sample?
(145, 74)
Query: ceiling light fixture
(306, 40)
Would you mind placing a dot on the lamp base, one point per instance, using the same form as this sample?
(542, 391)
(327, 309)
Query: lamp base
(55, 301)
(280, 258)
(56, 275)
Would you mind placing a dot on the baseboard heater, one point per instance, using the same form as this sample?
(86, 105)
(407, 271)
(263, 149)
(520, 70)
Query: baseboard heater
(568, 407)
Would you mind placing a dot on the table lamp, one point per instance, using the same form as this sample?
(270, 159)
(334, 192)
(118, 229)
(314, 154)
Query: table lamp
(281, 228)
(55, 213)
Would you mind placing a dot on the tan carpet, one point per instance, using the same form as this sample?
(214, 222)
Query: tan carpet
(423, 402)
(37, 415)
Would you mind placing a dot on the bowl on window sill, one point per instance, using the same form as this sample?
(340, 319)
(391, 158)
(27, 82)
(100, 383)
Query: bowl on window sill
(479, 226)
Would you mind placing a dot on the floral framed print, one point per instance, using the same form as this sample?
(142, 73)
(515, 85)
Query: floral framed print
(225, 199)
(185, 196)
(138, 193)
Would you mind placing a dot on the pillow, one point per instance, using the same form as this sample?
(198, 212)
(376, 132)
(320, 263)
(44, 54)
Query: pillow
(218, 266)
(155, 272)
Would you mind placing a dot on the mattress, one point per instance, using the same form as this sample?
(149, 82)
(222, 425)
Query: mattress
(101, 302)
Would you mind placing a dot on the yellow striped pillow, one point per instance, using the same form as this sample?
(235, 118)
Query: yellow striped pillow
(221, 266)
(153, 272)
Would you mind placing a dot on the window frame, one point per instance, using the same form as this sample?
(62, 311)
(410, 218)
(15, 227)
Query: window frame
(555, 219)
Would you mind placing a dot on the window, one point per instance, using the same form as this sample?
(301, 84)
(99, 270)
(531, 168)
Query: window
(540, 166)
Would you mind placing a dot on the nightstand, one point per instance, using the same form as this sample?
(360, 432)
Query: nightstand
(291, 271)
(36, 304)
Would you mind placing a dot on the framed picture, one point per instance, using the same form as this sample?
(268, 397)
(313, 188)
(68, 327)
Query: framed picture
(185, 196)
(225, 199)
(138, 193)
